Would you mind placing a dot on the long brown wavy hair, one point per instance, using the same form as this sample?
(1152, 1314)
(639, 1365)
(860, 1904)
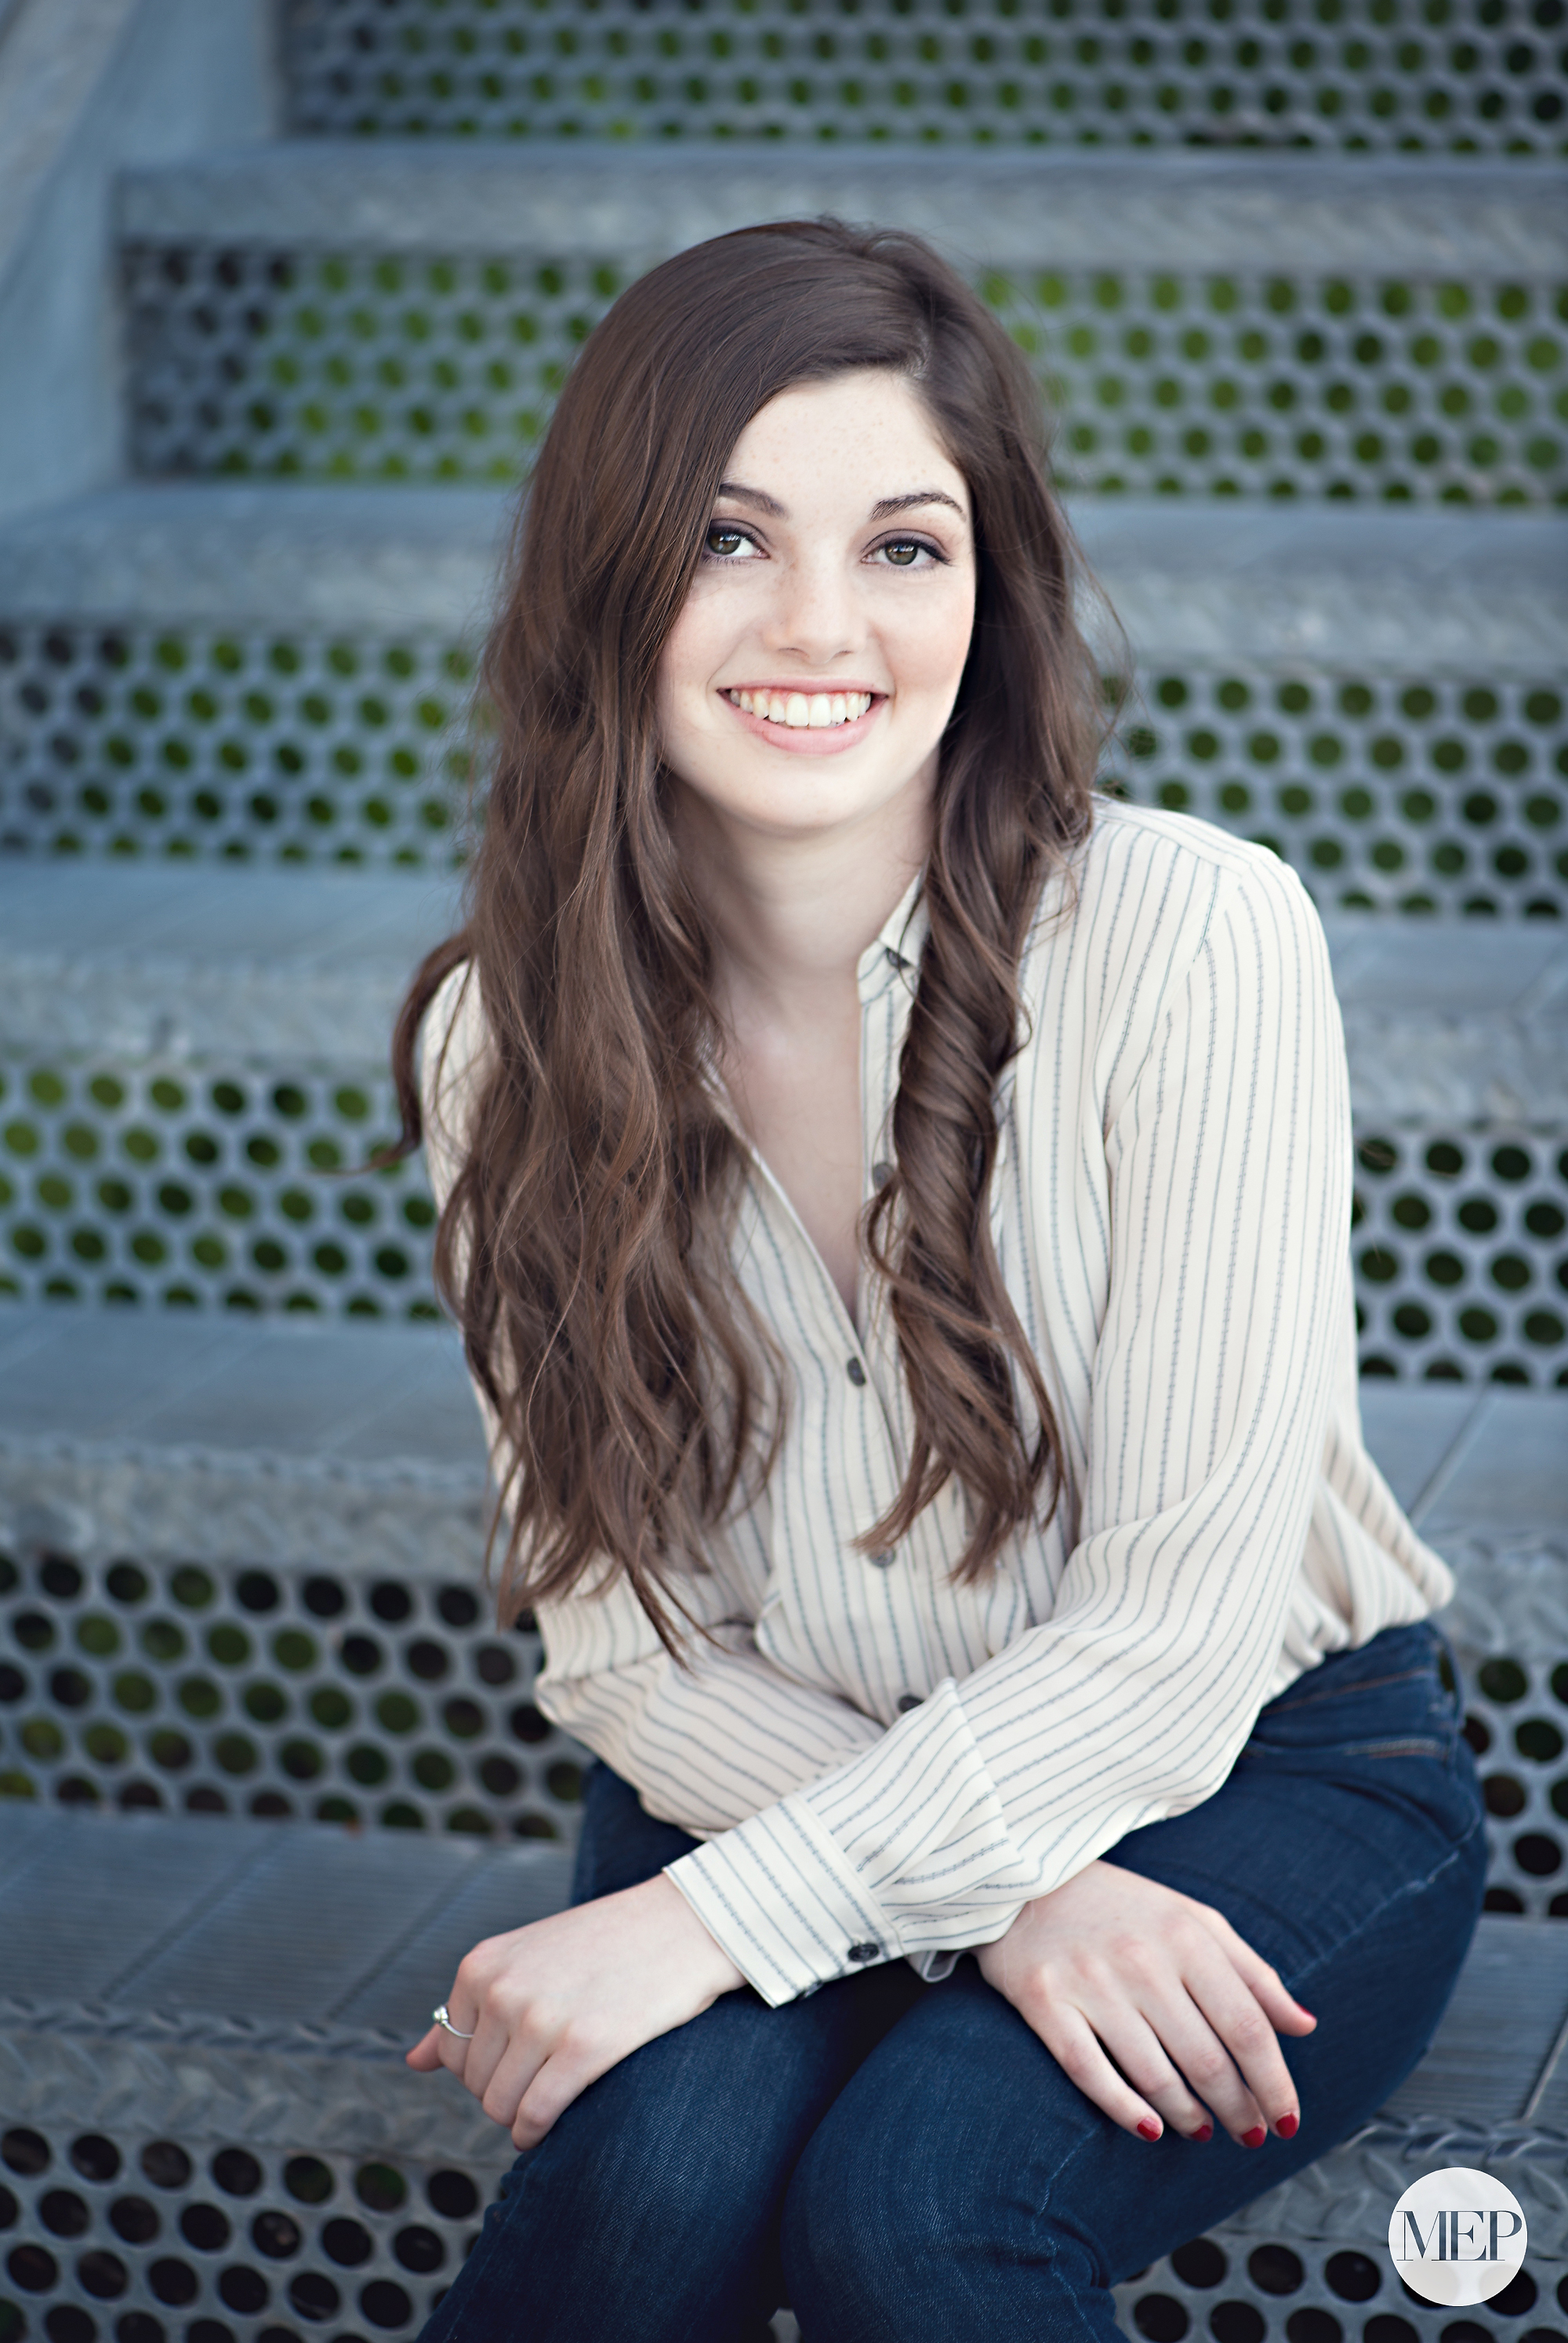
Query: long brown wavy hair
(582, 1248)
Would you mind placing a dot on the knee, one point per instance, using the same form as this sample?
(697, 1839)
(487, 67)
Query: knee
(931, 2182)
(640, 2153)
(857, 2222)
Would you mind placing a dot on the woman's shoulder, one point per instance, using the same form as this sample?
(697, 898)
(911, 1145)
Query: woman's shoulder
(1155, 908)
(1144, 881)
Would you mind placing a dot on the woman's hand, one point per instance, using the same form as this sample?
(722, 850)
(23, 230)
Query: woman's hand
(554, 2005)
(1114, 1967)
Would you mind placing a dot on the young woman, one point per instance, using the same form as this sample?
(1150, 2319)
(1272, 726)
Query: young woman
(898, 1211)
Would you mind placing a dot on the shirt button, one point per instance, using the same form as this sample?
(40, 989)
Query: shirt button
(884, 1561)
(857, 1375)
(907, 1700)
(880, 1174)
(863, 1952)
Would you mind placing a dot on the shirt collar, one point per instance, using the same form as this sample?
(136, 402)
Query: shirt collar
(896, 952)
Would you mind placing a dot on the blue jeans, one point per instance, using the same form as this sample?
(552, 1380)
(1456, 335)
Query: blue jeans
(907, 2163)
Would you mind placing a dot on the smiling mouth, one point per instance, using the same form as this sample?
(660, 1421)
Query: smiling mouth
(801, 711)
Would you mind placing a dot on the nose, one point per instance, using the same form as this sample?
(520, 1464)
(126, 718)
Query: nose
(815, 612)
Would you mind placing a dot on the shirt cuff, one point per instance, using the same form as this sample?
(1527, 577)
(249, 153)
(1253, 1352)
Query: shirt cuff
(788, 1892)
(778, 1894)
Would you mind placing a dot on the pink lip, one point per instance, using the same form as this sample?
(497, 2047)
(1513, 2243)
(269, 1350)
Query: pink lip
(827, 740)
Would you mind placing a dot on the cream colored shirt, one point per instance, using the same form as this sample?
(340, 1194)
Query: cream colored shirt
(880, 1763)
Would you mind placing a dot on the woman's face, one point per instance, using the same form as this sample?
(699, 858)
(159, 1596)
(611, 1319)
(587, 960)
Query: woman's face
(812, 673)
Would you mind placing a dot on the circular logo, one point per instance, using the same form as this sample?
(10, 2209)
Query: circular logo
(1457, 2236)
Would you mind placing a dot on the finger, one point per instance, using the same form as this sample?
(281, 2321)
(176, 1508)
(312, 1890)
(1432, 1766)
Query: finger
(556, 2081)
(1137, 2052)
(1228, 2027)
(426, 2056)
(1197, 2052)
(1078, 2051)
(493, 2039)
(1278, 2005)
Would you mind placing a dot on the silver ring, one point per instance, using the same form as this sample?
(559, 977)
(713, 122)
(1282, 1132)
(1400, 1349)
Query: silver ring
(442, 2020)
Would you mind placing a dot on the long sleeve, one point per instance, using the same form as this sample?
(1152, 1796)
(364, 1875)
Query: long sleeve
(1226, 1193)
(707, 1745)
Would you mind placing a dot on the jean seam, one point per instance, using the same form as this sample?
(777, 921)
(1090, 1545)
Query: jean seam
(1284, 1704)
(1101, 2266)
(1410, 1887)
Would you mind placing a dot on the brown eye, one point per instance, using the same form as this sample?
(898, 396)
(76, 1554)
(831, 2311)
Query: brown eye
(725, 541)
(904, 552)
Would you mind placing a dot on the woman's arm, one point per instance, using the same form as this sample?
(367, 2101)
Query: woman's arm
(549, 2008)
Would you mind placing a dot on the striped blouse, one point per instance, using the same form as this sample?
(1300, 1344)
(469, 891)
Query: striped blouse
(879, 1763)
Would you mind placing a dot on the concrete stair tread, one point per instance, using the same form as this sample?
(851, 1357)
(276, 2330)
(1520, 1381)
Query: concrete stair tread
(1450, 1019)
(323, 1928)
(1183, 209)
(372, 1402)
(194, 960)
(1216, 581)
(389, 1401)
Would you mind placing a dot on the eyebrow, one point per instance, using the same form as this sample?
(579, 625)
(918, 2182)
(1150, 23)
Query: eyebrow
(740, 494)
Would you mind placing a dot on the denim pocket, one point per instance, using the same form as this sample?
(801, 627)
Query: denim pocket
(1381, 1720)
(1388, 1697)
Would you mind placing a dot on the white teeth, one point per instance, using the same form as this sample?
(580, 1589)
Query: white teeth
(798, 711)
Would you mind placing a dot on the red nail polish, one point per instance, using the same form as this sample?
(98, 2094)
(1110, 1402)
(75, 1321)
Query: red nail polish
(1147, 2130)
(1255, 2137)
(1288, 2127)
(1207, 2132)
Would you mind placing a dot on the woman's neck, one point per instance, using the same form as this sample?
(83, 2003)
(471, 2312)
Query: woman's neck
(791, 916)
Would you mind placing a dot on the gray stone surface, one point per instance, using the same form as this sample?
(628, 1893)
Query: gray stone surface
(273, 1440)
(358, 1447)
(1458, 1022)
(234, 1980)
(1506, 1473)
(1335, 586)
(345, 558)
(235, 964)
(86, 86)
(1387, 216)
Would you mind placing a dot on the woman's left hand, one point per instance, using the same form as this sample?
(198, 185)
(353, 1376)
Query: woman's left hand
(554, 2005)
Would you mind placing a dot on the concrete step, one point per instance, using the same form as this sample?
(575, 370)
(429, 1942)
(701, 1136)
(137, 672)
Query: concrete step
(245, 1560)
(1293, 325)
(221, 672)
(209, 2022)
(1462, 1020)
(1270, 77)
(190, 1059)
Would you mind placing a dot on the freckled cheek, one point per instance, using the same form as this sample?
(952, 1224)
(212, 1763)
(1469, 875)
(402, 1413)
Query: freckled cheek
(928, 657)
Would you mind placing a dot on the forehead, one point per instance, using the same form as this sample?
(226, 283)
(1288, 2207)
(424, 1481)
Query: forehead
(867, 431)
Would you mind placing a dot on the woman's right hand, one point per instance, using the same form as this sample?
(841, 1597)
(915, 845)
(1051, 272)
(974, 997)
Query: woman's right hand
(1115, 1967)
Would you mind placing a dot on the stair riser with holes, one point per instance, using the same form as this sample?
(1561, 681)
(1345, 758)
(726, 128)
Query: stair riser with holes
(193, 1075)
(1205, 328)
(1378, 696)
(1476, 77)
(243, 1568)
